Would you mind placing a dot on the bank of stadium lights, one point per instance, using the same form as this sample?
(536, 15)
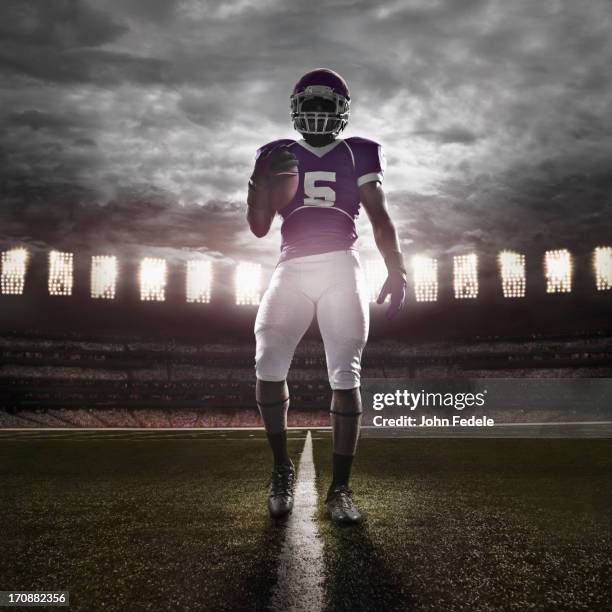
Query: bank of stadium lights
(376, 274)
(14, 264)
(103, 276)
(248, 283)
(558, 271)
(465, 276)
(425, 275)
(512, 271)
(602, 260)
(61, 275)
(152, 278)
(199, 277)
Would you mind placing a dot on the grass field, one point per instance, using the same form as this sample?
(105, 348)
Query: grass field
(169, 521)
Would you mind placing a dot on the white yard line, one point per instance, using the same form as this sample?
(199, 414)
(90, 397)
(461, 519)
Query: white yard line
(299, 583)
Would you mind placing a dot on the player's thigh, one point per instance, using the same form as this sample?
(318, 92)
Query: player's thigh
(282, 319)
(344, 318)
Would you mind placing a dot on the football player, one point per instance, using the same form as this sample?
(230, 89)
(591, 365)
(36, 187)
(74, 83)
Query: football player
(317, 184)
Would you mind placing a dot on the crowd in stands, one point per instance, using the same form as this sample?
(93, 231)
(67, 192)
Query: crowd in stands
(79, 382)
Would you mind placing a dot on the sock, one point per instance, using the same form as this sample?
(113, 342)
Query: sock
(278, 444)
(341, 469)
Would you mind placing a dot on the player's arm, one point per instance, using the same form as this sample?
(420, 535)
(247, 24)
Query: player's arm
(373, 200)
(271, 187)
(259, 212)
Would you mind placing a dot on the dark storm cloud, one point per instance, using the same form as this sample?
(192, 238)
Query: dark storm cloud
(61, 24)
(89, 66)
(530, 213)
(59, 41)
(38, 120)
(138, 220)
(134, 122)
(448, 135)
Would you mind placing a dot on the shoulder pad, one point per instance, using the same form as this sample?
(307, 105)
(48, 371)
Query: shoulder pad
(358, 140)
(272, 145)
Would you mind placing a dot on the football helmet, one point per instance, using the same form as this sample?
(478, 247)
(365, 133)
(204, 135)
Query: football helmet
(331, 90)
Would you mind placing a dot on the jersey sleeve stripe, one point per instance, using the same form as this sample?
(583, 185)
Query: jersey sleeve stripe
(371, 176)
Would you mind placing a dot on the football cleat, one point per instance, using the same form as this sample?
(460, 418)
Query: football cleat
(340, 506)
(282, 482)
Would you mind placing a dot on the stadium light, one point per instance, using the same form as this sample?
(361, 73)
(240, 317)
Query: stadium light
(512, 271)
(153, 279)
(103, 276)
(199, 278)
(425, 274)
(602, 260)
(14, 265)
(248, 283)
(61, 276)
(558, 270)
(465, 271)
(376, 274)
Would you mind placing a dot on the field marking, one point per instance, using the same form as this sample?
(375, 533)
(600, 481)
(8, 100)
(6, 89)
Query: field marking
(300, 574)
(536, 430)
(261, 429)
(154, 429)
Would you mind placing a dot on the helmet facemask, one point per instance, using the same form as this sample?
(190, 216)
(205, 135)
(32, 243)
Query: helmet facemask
(319, 110)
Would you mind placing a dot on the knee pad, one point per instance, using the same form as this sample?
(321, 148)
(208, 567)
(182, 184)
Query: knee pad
(343, 380)
(272, 354)
(344, 370)
(344, 363)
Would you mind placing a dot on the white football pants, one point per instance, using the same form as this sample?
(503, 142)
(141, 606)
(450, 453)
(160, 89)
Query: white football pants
(330, 284)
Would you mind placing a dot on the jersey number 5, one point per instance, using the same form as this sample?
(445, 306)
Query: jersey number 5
(319, 195)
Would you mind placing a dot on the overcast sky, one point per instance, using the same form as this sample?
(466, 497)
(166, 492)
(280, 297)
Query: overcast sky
(131, 125)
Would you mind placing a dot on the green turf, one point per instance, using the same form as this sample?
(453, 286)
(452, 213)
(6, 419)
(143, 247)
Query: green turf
(464, 524)
(451, 524)
(131, 525)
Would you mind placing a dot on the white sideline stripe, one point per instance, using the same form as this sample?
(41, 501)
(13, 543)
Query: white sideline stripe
(299, 584)
(150, 428)
(237, 429)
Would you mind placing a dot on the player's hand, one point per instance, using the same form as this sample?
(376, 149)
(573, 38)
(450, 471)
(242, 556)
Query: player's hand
(275, 162)
(395, 286)
(282, 161)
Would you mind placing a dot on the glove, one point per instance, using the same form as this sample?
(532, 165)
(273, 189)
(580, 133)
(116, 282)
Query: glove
(395, 285)
(273, 162)
(282, 161)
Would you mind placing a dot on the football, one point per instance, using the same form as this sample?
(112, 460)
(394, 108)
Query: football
(282, 189)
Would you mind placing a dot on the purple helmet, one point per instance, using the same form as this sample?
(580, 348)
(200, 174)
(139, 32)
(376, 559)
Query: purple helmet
(326, 84)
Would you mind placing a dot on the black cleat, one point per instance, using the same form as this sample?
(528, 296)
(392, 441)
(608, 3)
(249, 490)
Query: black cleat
(280, 499)
(340, 506)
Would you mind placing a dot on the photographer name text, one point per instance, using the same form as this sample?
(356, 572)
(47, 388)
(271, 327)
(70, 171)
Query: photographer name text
(434, 421)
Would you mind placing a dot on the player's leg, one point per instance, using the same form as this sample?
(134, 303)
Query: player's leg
(346, 423)
(273, 402)
(282, 319)
(343, 315)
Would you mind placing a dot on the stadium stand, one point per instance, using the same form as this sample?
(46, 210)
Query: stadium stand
(84, 382)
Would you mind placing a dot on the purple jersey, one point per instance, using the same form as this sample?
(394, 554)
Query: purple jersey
(321, 216)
